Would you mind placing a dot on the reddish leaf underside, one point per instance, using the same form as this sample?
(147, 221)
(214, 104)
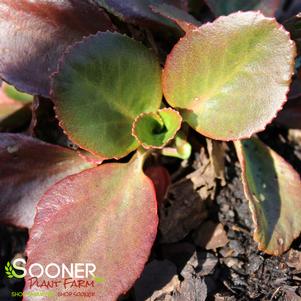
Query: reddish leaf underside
(161, 179)
(107, 216)
(273, 189)
(34, 34)
(28, 167)
(215, 74)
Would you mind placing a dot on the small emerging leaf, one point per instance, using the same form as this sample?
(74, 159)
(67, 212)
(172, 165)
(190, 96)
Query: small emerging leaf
(154, 130)
(273, 189)
(102, 84)
(181, 148)
(106, 216)
(215, 74)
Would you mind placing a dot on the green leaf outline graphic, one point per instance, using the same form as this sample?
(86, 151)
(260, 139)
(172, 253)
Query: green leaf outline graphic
(9, 270)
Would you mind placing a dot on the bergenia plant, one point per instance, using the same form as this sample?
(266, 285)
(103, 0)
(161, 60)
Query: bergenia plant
(226, 80)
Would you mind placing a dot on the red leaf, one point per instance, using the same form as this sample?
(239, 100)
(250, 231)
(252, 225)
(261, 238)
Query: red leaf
(106, 216)
(161, 179)
(28, 168)
(34, 34)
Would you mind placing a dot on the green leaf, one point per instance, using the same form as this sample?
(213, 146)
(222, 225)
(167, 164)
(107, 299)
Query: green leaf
(13, 93)
(230, 77)
(154, 130)
(183, 19)
(7, 104)
(224, 7)
(9, 270)
(102, 84)
(180, 148)
(273, 189)
(106, 216)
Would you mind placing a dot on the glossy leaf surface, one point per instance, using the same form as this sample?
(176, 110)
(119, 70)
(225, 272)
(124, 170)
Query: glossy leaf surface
(28, 167)
(156, 129)
(103, 83)
(273, 189)
(182, 18)
(34, 34)
(139, 12)
(222, 7)
(106, 216)
(215, 74)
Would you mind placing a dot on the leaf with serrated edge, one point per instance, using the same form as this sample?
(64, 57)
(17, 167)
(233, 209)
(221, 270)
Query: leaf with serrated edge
(156, 129)
(222, 7)
(106, 216)
(230, 77)
(138, 12)
(183, 19)
(28, 167)
(103, 83)
(34, 34)
(273, 189)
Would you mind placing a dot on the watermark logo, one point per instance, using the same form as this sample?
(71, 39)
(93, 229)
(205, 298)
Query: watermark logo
(11, 273)
(53, 279)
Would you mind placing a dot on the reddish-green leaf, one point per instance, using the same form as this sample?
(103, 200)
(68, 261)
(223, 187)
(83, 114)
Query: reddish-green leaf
(225, 7)
(106, 216)
(215, 74)
(156, 129)
(161, 179)
(34, 34)
(28, 167)
(183, 19)
(103, 83)
(273, 189)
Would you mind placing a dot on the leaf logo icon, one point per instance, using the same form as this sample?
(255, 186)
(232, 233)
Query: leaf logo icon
(10, 272)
